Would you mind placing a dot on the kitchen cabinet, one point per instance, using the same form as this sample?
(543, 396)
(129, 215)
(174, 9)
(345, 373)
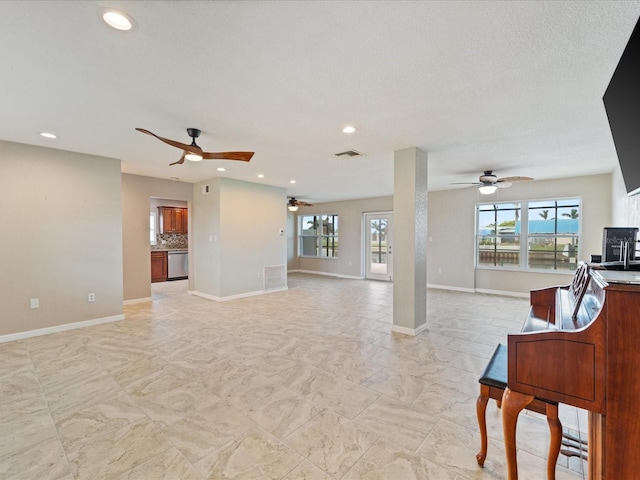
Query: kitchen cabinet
(158, 267)
(173, 220)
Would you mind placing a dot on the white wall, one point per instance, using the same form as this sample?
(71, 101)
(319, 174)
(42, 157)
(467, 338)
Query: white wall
(236, 234)
(62, 232)
(136, 193)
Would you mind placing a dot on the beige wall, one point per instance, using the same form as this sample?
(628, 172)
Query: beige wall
(349, 261)
(136, 193)
(62, 231)
(236, 234)
(595, 192)
(451, 232)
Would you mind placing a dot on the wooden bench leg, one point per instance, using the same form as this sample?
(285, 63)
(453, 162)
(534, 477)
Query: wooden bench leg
(512, 405)
(555, 440)
(481, 411)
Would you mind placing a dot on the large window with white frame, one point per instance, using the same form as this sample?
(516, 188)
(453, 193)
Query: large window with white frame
(534, 235)
(319, 235)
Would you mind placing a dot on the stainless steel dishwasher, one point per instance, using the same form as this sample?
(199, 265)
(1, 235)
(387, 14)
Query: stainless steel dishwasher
(178, 264)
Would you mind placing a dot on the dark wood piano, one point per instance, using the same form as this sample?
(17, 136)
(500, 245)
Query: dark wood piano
(580, 345)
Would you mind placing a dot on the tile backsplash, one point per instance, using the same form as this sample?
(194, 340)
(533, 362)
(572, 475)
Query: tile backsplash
(171, 240)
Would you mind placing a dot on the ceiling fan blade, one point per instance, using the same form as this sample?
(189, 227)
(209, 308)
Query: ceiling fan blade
(465, 183)
(303, 204)
(179, 162)
(173, 143)
(515, 179)
(241, 156)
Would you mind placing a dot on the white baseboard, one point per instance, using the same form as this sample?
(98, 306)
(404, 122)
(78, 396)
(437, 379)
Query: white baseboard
(59, 328)
(448, 287)
(136, 300)
(327, 274)
(502, 292)
(409, 331)
(234, 297)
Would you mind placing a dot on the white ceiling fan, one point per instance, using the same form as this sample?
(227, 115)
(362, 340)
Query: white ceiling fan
(488, 183)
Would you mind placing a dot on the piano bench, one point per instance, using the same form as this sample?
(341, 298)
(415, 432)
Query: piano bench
(493, 383)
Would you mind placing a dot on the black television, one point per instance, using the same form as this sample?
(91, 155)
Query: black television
(622, 103)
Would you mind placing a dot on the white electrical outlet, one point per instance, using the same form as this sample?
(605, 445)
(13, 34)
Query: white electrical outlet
(91, 297)
(34, 303)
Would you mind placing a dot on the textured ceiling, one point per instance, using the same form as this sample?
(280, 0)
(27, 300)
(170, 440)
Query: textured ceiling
(511, 86)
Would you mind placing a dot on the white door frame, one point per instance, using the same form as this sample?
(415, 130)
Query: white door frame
(385, 268)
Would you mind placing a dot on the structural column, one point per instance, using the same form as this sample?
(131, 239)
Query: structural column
(410, 241)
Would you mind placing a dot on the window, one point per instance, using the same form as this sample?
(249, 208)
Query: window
(551, 229)
(498, 243)
(319, 235)
(152, 228)
(553, 234)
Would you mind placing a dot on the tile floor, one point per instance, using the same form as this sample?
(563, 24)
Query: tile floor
(309, 383)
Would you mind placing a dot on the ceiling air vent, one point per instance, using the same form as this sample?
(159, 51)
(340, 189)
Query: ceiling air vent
(349, 153)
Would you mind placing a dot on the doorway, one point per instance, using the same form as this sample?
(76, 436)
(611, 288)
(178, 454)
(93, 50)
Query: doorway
(379, 246)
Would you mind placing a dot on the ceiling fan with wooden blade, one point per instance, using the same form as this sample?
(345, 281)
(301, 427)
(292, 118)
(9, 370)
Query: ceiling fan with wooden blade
(488, 182)
(293, 204)
(193, 151)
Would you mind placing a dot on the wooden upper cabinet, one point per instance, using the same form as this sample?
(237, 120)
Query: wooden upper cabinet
(180, 220)
(173, 220)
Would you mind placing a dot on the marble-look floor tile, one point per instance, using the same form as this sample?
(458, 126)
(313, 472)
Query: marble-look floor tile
(455, 448)
(81, 395)
(283, 412)
(77, 426)
(169, 465)
(403, 424)
(206, 430)
(255, 455)
(530, 468)
(21, 432)
(170, 405)
(331, 442)
(394, 384)
(307, 471)
(19, 382)
(189, 388)
(106, 456)
(45, 460)
(384, 461)
(342, 396)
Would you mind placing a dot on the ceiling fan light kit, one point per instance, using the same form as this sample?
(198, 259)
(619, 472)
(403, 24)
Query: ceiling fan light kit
(194, 157)
(487, 189)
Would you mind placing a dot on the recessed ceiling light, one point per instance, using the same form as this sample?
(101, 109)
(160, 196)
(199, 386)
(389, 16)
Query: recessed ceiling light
(221, 169)
(260, 175)
(116, 19)
(349, 129)
(48, 135)
(292, 181)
